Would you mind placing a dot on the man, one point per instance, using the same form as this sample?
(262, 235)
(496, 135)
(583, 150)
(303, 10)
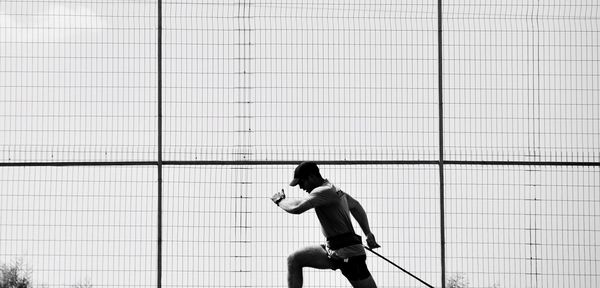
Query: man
(344, 249)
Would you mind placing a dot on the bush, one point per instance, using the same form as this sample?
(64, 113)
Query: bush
(14, 276)
(457, 281)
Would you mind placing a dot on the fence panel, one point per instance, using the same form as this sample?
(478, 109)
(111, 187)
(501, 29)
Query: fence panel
(83, 226)
(297, 80)
(222, 230)
(525, 226)
(519, 81)
(77, 81)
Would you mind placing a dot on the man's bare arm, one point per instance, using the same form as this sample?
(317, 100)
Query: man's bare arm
(295, 206)
(358, 212)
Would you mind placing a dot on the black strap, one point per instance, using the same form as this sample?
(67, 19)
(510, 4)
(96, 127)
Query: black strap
(343, 240)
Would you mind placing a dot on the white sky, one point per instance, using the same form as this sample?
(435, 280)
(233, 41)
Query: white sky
(327, 81)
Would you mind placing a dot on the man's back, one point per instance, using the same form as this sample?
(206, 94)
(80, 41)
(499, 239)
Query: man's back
(331, 207)
(332, 210)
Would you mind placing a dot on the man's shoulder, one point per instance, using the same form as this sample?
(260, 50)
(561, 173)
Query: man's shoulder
(323, 195)
(326, 188)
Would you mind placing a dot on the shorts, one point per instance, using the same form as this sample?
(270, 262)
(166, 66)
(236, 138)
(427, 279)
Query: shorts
(353, 268)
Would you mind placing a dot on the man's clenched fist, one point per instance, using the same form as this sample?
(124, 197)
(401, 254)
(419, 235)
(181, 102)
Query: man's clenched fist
(278, 197)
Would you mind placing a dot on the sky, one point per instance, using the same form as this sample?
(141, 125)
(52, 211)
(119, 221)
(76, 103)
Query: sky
(293, 80)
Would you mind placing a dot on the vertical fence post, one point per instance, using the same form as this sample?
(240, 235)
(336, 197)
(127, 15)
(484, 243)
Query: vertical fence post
(441, 145)
(159, 147)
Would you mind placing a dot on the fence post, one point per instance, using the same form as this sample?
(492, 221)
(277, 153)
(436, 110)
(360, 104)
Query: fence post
(159, 147)
(441, 145)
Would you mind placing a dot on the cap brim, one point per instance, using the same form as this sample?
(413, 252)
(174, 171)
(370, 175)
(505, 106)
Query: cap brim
(295, 182)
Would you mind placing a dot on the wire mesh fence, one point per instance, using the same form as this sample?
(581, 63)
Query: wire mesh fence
(75, 225)
(529, 226)
(487, 180)
(518, 83)
(221, 230)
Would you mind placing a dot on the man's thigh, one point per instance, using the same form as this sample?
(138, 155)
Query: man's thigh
(355, 269)
(365, 283)
(311, 256)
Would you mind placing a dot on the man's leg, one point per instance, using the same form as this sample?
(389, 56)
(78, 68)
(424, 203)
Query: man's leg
(312, 256)
(357, 272)
(365, 283)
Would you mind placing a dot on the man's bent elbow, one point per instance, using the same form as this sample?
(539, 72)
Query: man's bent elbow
(295, 211)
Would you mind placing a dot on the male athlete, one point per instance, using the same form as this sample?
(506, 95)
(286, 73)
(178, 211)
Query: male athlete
(344, 249)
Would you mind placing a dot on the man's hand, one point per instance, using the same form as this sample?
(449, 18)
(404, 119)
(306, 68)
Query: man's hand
(371, 243)
(278, 197)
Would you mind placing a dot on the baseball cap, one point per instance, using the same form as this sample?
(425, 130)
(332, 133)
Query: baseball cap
(303, 170)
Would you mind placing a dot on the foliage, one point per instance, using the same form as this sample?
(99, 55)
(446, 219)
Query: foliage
(14, 276)
(85, 284)
(457, 281)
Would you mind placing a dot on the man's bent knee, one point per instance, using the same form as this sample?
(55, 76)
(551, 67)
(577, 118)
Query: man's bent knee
(293, 261)
(313, 257)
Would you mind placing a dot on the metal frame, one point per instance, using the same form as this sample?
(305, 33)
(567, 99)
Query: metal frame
(159, 163)
(441, 144)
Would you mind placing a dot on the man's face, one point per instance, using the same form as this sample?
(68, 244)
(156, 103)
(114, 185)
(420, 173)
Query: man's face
(307, 184)
(302, 184)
